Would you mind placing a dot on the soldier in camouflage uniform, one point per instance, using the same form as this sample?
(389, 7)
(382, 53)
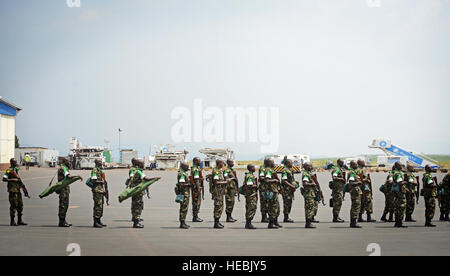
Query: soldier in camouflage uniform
(218, 186)
(386, 189)
(262, 190)
(98, 193)
(15, 184)
(430, 195)
(250, 187)
(289, 186)
(183, 188)
(196, 174)
(412, 196)
(137, 202)
(231, 190)
(338, 175)
(272, 187)
(309, 193)
(399, 191)
(64, 194)
(366, 199)
(444, 189)
(354, 187)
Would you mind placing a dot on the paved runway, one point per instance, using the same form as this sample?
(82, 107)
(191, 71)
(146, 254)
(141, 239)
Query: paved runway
(161, 235)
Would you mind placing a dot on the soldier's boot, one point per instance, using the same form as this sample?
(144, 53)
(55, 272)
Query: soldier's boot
(369, 218)
(360, 218)
(137, 224)
(275, 222)
(353, 224)
(249, 225)
(428, 223)
(20, 221)
(264, 218)
(196, 219)
(183, 225)
(272, 225)
(399, 224)
(447, 217)
(383, 217)
(442, 217)
(337, 219)
(309, 224)
(13, 221)
(314, 220)
(217, 224)
(101, 223)
(97, 223)
(391, 217)
(287, 219)
(63, 223)
(409, 218)
(230, 218)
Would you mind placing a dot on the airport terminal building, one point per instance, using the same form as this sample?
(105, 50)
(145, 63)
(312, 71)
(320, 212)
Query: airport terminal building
(8, 114)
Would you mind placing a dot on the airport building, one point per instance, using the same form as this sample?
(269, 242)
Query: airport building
(8, 114)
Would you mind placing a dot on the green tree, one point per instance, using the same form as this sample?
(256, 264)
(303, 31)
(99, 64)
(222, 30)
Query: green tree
(17, 142)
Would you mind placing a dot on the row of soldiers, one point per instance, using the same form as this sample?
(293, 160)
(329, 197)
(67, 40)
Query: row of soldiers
(401, 190)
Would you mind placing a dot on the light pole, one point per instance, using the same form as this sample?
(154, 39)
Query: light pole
(120, 154)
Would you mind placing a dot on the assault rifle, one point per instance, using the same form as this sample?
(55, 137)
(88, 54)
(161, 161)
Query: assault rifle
(19, 180)
(106, 188)
(314, 178)
(237, 185)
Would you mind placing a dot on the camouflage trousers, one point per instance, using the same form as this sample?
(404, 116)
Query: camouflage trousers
(185, 205)
(445, 204)
(16, 204)
(356, 205)
(98, 204)
(196, 199)
(388, 203)
(274, 207)
(218, 206)
(338, 198)
(310, 207)
(410, 204)
(263, 201)
(137, 205)
(251, 204)
(288, 198)
(64, 197)
(430, 207)
(366, 203)
(230, 197)
(399, 206)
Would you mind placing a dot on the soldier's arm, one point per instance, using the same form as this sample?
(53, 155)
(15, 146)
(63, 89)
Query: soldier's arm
(336, 177)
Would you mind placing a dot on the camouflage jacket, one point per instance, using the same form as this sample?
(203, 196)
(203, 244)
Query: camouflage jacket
(13, 187)
(429, 187)
(195, 172)
(97, 180)
(63, 173)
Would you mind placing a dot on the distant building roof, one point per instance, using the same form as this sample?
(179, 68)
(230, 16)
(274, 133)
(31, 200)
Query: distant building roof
(7, 108)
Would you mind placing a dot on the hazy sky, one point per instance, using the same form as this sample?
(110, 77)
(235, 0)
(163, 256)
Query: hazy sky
(341, 72)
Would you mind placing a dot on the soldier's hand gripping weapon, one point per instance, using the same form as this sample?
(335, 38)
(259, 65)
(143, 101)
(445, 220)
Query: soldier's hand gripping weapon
(22, 186)
(106, 188)
(314, 178)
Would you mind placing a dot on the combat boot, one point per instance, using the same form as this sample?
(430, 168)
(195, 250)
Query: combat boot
(309, 225)
(442, 217)
(383, 217)
(20, 221)
(13, 221)
(196, 219)
(391, 217)
(447, 217)
(409, 218)
(97, 224)
(137, 224)
(183, 225)
(230, 218)
(314, 220)
(275, 222)
(287, 219)
(399, 224)
(264, 218)
(428, 223)
(101, 223)
(63, 223)
(337, 219)
(369, 218)
(360, 218)
(249, 225)
(217, 224)
(272, 225)
(353, 224)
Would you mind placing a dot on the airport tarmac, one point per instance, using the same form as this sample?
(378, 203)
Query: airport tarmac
(161, 235)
